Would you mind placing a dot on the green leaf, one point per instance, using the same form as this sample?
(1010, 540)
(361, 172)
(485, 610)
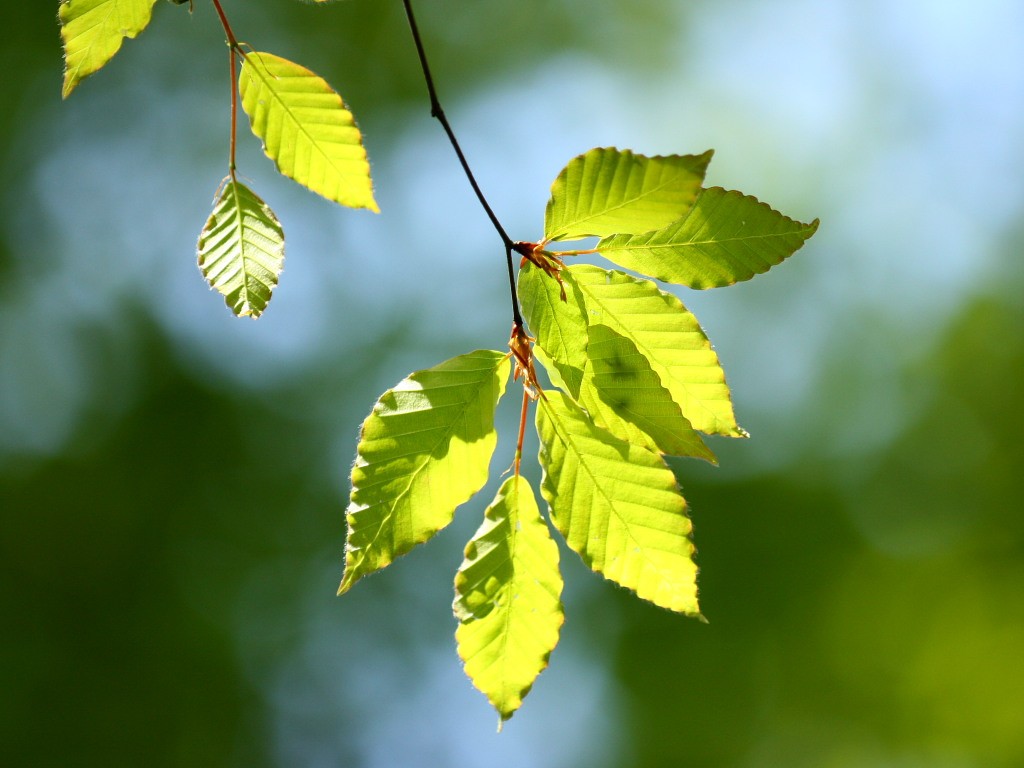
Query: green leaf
(560, 326)
(623, 394)
(726, 237)
(669, 337)
(507, 598)
(93, 30)
(241, 249)
(423, 451)
(617, 505)
(606, 191)
(306, 129)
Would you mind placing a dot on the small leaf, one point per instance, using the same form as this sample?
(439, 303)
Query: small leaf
(726, 237)
(92, 31)
(560, 326)
(606, 191)
(617, 505)
(625, 396)
(241, 249)
(507, 598)
(669, 337)
(423, 451)
(306, 129)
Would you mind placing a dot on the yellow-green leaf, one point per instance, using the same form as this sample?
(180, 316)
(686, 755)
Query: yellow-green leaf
(623, 394)
(617, 505)
(423, 451)
(667, 335)
(724, 238)
(241, 249)
(306, 129)
(92, 31)
(507, 598)
(606, 191)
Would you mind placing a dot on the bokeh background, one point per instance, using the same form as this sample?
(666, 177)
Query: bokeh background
(173, 479)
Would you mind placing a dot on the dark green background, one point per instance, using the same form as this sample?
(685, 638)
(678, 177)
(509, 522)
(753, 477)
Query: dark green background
(172, 479)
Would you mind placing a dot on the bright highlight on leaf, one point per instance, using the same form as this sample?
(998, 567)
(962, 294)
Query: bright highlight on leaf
(93, 30)
(241, 249)
(306, 129)
(608, 191)
(507, 598)
(726, 237)
(617, 505)
(423, 451)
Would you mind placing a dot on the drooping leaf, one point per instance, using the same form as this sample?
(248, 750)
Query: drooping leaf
(726, 237)
(241, 249)
(617, 505)
(623, 394)
(93, 30)
(507, 598)
(306, 129)
(560, 326)
(668, 335)
(607, 191)
(423, 451)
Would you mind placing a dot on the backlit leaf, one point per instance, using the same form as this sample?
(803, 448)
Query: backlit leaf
(559, 326)
(624, 395)
(423, 451)
(667, 335)
(726, 237)
(92, 31)
(507, 598)
(241, 249)
(306, 129)
(607, 191)
(618, 506)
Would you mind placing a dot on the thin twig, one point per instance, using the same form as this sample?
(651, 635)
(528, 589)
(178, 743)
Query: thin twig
(438, 112)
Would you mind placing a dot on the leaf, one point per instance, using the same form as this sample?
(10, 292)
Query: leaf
(624, 395)
(507, 598)
(560, 326)
(241, 249)
(617, 505)
(606, 191)
(92, 31)
(667, 335)
(306, 129)
(423, 451)
(726, 237)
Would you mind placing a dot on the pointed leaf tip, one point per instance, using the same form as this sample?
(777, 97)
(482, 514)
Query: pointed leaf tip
(306, 129)
(423, 450)
(241, 249)
(92, 32)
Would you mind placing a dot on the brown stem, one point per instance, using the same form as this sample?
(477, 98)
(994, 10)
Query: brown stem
(232, 62)
(522, 431)
(224, 23)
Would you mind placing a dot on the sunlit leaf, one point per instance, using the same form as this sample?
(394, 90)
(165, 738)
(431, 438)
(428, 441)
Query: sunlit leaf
(618, 506)
(423, 451)
(306, 129)
(560, 326)
(93, 30)
(607, 191)
(726, 237)
(507, 598)
(623, 394)
(667, 335)
(241, 249)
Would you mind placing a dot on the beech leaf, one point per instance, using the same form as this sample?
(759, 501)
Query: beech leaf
(725, 237)
(617, 505)
(306, 129)
(507, 598)
(241, 249)
(93, 30)
(607, 191)
(423, 451)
